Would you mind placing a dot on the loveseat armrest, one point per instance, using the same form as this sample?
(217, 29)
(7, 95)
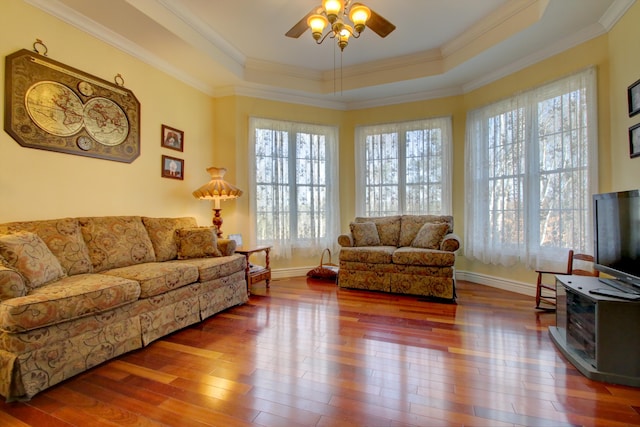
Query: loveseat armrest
(345, 240)
(227, 246)
(450, 243)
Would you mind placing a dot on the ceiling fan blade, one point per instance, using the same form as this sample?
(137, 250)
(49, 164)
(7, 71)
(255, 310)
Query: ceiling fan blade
(299, 29)
(380, 25)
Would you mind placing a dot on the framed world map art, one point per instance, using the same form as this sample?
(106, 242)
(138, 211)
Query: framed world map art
(51, 106)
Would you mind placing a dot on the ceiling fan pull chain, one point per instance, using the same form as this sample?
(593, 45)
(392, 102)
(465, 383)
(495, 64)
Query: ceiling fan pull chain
(334, 68)
(341, 53)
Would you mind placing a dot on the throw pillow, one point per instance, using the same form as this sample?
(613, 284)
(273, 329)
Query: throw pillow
(430, 235)
(29, 255)
(162, 232)
(64, 239)
(364, 234)
(411, 224)
(11, 282)
(197, 242)
(388, 228)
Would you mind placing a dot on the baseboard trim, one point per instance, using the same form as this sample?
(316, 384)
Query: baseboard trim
(497, 282)
(481, 279)
(285, 273)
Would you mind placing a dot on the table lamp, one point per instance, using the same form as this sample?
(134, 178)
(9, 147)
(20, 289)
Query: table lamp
(217, 189)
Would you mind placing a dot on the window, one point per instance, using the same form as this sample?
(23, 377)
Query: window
(294, 178)
(531, 171)
(404, 168)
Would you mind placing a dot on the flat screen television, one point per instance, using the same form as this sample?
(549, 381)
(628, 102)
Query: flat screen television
(617, 236)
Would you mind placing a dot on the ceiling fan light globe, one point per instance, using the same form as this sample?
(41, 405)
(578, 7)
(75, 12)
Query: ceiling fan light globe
(346, 31)
(333, 8)
(343, 36)
(317, 23)
(359, 15)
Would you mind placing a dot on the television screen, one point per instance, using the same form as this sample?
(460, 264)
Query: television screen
(617, 235)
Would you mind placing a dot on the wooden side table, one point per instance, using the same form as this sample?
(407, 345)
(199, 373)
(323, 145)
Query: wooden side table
(257, 273)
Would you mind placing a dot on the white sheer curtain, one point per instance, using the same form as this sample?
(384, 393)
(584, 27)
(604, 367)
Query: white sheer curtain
(295, 188)
(404, 168)
(531, 169)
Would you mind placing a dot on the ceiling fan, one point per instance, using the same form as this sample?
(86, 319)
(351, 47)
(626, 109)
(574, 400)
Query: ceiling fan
(346, 19)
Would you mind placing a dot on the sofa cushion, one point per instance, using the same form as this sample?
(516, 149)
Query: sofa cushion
(215, 268)
(64, 239)
(411, 224)
(162, 232)
(430, 235)
(116, 241)
(28, 254)
(368, 254)
(197, 242)
(12, 283)
(418, 256)
(364, 234)
(66, 299)
(157, 277)
(388, 228)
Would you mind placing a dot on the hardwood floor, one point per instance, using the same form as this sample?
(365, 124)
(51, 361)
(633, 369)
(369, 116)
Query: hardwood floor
(305, 353)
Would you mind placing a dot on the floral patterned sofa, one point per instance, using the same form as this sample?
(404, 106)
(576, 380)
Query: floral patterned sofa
(75, 292)
(407, 254)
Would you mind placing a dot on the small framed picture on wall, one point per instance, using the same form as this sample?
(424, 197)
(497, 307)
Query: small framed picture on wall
(633, 97)
(172, 138)
(634, 140)
(172, 167)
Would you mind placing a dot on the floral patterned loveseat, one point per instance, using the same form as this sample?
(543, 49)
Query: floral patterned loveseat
(407, 254)
(75, 292)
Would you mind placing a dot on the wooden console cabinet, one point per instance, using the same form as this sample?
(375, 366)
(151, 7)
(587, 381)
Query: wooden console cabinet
(599, 335)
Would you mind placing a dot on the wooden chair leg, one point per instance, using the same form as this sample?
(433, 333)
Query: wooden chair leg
(538, 290)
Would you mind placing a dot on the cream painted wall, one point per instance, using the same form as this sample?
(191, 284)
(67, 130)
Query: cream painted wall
(625, 70)
(39, 184)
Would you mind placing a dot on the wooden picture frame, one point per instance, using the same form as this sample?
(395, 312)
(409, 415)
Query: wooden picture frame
(633, 98)
(172, 167)
(172, 138)
(634, 141)
(55, 107)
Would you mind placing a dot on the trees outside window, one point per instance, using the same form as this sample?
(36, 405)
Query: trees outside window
(531, 171)
(404, 168)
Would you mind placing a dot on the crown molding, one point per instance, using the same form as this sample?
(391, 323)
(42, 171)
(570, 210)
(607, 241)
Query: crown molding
(89, 26)
(511, 18)
(287, 77)
(196, 24)
(514, 16)
(404, 99)
(310, 87)
(568, 42)
(615, 12)
(278, 95)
